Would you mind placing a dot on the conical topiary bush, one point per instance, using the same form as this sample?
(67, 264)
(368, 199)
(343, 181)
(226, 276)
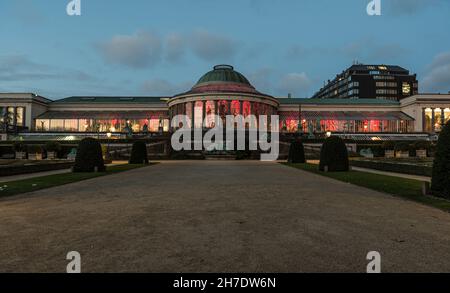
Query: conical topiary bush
(139, 153)
(89, 156)
(334, 155)
(440, 184)
(296, 152)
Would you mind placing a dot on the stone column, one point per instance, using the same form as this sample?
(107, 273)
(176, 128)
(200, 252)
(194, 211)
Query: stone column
(433, 121)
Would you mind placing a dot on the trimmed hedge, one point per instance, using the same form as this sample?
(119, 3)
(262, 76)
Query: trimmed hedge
(139, 153)
(334, 155)
(440, 185)
(388, 145)
(296, 152)
(19, 147)
(52, 146)
(89, 156)
(33, 168)
(393, 167)
(402, 147)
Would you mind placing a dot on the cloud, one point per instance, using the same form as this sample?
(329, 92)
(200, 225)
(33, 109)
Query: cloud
(364, 49)
(437, 78)
(261, 79)
(20, 68)
(164, 88)
(175, 48)
(140, 50)
(212, 47)
(298, 84)
(410, 7)
(145, 50)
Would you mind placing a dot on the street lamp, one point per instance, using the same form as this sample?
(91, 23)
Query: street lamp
(107, 155)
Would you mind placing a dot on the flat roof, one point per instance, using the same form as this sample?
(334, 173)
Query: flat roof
(294, 101)
(110, 99)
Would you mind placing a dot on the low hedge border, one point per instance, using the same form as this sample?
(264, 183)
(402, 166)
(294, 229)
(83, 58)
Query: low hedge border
(393, 167)
(27, 169)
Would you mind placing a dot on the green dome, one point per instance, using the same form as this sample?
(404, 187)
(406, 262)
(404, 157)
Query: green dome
(223, 74)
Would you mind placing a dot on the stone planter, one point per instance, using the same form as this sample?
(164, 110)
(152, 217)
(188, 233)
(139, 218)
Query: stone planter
(21, 155)
(421, 153)
(35, 157)
(402, 155)
(389, 154)
(51, 155)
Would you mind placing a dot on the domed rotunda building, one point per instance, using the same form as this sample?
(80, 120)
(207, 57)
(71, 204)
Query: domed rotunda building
(222, 91)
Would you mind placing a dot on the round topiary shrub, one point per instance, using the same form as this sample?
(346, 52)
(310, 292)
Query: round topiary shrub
(296, 152)
(440, 184)
(89, 156)
(53, 146)
(334, 155)
(139, 153)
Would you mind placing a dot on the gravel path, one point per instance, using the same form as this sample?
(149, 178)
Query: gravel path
(219, 216)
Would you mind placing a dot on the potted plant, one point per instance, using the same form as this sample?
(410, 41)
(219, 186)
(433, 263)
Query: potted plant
(388, 147)
(422, 148)
(21, 150)
(402, 150)
(35, 152)
(52, 148)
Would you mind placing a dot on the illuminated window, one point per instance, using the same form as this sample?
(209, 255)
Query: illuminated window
(210, 112)
(20, 116)
(198, 114)
(71, 125)
(428, 120)
(446, 115)
(437, 119)
(57, 125)
(189, 114)
(235, 108)
(406, 88)
(42, 124)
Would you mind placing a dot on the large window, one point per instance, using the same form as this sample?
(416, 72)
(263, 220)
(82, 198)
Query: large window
(235, 108)
(428, 123)
(20, 116)
(198, 114)
(446, 115)
(210, 112)
(42, 124)
(189, 114)
(71, 125)
(57, 125)
(223, 110)
(437, 119)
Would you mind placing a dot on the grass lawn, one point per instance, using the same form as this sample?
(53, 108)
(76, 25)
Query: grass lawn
(38, 183)
(401, 187)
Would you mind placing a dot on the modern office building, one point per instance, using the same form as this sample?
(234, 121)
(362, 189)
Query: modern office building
(384, 82)
(222, 91)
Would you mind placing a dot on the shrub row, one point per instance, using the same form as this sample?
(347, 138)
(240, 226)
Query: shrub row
(51, 146)
(393, 167)
(34, 168)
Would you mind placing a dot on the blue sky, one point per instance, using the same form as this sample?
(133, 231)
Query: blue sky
(150, 47)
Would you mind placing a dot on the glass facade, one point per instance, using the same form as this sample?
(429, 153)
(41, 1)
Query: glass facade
(103, 125)
(222, 108)
(435, 118)
(290, 125)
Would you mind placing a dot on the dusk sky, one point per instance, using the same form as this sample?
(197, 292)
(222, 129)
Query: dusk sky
(151, 48)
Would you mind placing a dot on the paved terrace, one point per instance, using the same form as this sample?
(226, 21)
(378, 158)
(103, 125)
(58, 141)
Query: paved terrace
(213, 216)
